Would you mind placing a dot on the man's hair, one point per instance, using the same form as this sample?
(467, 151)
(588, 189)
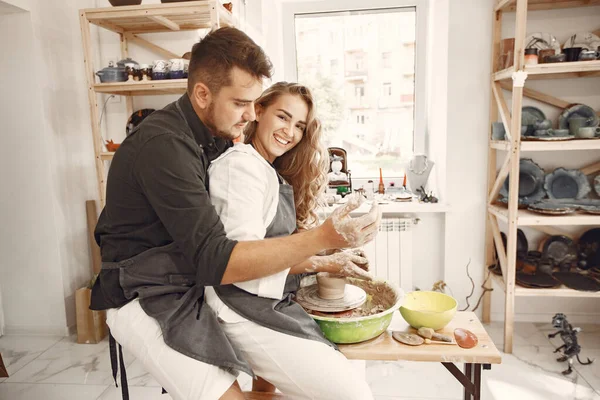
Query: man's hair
(214, 56)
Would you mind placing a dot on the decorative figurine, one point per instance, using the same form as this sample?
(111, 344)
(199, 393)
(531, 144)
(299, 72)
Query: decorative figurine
(570, 348)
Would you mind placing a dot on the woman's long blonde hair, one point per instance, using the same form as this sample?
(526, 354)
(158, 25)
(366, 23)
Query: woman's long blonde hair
(305, 166)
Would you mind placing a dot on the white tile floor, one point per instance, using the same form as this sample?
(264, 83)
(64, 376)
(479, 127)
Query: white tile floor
(55, 368)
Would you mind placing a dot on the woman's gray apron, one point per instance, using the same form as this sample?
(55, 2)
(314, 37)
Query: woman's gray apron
(165, 283)
(285, 315)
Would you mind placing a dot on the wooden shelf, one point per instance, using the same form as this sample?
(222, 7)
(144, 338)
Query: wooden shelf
(576, 69)
(564, 145)
(143, 88)
(561, 291)
(107, 155)
(166, 17)
(536, 5)
(529, 218)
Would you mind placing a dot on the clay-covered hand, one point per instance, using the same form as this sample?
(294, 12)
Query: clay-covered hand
(346, 263)
(344, 231)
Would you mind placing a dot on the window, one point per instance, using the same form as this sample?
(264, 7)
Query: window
(387, 89)
(375, 132)
(386, 59)
(359, 91)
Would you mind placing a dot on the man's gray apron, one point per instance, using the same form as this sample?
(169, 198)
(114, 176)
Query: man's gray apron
(165, 283)
(285, 315)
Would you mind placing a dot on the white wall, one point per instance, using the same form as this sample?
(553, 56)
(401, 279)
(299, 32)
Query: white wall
(48, 154)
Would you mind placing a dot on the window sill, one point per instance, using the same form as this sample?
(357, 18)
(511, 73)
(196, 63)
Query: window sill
(392, 209)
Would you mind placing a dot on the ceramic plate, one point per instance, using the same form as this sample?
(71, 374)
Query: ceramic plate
(559, 248)
(597, 184)
(578, 110)
(531, 182)
(591, 209)
(542, 41)
(549, 138)
(566, 184)
(529, 117)
(589, 248)
(522, 243)
(551, 208)
(587, 40)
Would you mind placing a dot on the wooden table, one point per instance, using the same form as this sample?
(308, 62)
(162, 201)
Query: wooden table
(385, 348)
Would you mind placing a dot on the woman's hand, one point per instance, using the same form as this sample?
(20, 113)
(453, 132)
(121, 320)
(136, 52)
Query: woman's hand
(342, 231)
(352, 263)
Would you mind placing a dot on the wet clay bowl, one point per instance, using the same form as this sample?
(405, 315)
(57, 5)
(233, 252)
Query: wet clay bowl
(354, 329)
(428, 309)
(331, 286)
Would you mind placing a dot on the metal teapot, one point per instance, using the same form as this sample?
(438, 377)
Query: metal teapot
(112, 74)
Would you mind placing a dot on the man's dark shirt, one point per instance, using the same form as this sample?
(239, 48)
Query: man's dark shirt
(157, 194)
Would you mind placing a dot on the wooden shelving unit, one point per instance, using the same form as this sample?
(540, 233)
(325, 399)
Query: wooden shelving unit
(128, 23)
(514, 79)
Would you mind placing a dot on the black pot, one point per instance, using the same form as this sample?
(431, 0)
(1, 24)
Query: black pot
(572, 53)
(174, 1)
(118, 3)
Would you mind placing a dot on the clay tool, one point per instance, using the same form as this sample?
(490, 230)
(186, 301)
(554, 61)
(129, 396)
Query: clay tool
(465, 338)
(429, 333)
(414, 340)
(408, 338)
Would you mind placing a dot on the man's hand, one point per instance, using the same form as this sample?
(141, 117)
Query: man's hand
(343, 231)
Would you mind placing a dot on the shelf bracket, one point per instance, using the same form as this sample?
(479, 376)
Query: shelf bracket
(500, 178)
(550, 230)
(166, 22)
(133, 38)
(500, 4)
(592, 168)
(536, 95)
(500, 249)
(504, 113)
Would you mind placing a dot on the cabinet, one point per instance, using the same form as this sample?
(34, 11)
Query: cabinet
(512, 147)
(130, 23)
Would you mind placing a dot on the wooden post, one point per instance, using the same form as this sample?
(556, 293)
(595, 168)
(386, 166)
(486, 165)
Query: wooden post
(125, 54)
(94, 117)
(513, 198)
(489, 239)
(92, 218)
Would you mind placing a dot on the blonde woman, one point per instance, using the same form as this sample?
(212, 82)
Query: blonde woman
(268, 187)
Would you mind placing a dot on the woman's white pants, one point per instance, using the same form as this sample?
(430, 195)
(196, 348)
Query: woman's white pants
(299, 368)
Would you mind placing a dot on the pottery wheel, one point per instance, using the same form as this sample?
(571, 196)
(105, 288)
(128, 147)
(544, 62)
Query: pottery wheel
(308, 297)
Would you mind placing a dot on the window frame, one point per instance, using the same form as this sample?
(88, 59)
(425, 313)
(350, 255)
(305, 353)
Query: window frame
(289, 11)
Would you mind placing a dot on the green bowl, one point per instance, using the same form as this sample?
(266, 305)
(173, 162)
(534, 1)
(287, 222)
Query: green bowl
(358, 329)
(428, 309)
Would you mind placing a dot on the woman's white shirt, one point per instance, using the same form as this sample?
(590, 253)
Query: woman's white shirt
(244, 190)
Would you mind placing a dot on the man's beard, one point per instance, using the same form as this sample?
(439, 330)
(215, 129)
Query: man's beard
(210, 124)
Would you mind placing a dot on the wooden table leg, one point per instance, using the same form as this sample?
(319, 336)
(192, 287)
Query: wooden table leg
(3, 371)
(469, 375)
(477, 382)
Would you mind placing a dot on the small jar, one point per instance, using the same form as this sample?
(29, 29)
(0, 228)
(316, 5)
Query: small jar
(130, 71)
(531, 56)
(146, 72)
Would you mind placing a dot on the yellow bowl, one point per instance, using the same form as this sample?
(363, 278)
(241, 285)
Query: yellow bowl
(428, 309)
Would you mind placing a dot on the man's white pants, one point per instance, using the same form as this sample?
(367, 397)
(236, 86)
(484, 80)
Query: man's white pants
(185, 378)
(298, 367)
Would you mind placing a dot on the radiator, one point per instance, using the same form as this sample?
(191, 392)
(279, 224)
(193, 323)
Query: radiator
(390, 254)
